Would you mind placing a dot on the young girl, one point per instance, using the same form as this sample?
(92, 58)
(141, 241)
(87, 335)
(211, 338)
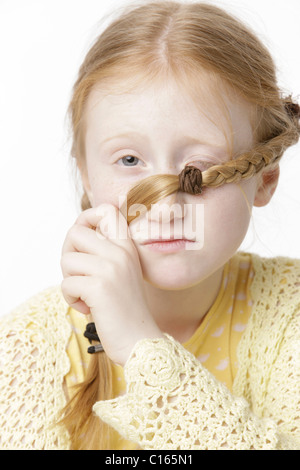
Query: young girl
(162, 335)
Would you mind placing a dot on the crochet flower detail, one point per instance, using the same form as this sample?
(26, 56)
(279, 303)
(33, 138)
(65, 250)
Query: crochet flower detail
(155, 366)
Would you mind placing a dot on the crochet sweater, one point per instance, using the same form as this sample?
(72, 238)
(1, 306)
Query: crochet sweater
(172, 401)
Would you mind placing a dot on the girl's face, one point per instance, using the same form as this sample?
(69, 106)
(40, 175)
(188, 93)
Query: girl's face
(158, 130)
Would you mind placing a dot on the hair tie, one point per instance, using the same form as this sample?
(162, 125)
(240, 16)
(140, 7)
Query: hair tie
(91, 334)
(293, 109)
(190, 180)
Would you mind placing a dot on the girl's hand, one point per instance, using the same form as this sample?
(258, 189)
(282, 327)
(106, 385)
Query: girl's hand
(103, 277)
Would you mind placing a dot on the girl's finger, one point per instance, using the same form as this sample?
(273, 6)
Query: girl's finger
(75, 290)
(82, 264)
(77, 303)
(71, 288)
(81, 307)
(106, 220)
(88, 218)
(104, 223)
(113, 225)
(84, 239)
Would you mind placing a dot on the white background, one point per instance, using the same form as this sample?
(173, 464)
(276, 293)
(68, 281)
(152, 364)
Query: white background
(42, 43)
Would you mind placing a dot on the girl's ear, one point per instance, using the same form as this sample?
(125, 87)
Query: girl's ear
(267, 185)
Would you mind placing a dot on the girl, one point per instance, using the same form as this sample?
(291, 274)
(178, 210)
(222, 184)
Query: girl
(178, 129)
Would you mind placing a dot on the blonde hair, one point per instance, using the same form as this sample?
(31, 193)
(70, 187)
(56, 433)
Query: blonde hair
(153, 41)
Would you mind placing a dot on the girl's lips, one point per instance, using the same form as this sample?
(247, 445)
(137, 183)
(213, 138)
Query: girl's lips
(167, 245)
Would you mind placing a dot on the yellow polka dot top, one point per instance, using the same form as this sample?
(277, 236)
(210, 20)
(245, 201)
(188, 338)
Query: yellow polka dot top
(214, 343)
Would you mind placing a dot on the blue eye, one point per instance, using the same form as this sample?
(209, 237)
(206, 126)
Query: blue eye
(129, 160)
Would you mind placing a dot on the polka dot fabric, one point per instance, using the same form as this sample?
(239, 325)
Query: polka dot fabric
(215, 342)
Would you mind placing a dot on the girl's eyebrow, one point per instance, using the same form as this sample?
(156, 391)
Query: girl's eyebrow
(188, 140)
(120, 136)
(184, 141)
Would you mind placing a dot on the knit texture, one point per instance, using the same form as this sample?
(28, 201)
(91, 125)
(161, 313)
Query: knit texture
(33, 363)
(172, 401)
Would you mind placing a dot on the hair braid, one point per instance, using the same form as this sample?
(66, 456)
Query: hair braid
(252, 162)
(150, 190)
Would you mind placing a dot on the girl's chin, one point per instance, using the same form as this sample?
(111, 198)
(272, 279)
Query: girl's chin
(171, 280)
(169, 271)
(174, 271)
(171, 285)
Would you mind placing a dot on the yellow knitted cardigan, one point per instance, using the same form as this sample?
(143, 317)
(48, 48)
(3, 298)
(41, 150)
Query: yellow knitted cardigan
(172, 401)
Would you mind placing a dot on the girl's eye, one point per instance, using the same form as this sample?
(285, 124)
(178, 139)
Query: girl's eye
(129, 160)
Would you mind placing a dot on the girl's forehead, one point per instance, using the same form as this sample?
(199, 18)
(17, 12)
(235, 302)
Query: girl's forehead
(214, 108)
(206, 97)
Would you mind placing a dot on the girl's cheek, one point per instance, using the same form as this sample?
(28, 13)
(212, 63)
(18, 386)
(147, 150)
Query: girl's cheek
(105, 192)
(227, 212)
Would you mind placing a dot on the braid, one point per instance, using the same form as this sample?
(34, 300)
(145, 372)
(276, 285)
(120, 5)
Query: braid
(245, 166)
(252, 162)
(191, 180)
